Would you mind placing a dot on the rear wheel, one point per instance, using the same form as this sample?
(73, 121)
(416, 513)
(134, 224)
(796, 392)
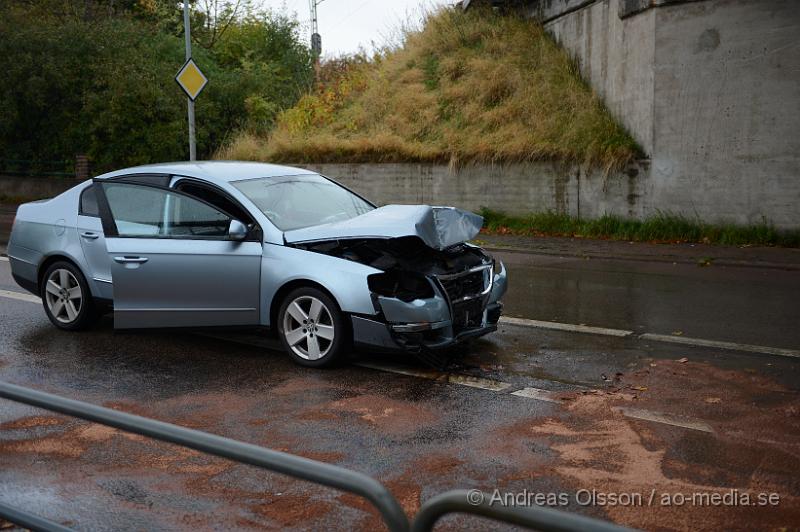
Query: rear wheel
(312, 328)
(66, 297)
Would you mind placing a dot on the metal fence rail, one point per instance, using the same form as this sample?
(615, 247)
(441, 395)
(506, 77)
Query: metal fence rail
(294, 466)
(459, 501)
(30, 521)
(533, 517)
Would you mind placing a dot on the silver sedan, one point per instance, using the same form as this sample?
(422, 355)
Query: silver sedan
(247, 244)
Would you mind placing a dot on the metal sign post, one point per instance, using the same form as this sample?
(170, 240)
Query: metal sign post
(190, 100)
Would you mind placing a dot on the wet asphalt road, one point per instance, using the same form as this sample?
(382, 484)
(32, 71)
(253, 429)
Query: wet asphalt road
(759, 306)
(749, 305)
(421, 436)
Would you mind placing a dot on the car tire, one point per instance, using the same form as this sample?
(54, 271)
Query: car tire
(312, 328)
(66, 297)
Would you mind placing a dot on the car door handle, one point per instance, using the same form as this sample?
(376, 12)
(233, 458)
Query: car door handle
(88, 235)
(131, 260)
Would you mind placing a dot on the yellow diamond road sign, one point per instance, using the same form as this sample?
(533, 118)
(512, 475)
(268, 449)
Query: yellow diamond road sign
(191, 80)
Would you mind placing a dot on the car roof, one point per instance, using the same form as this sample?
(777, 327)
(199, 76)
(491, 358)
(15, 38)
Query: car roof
(224, 171)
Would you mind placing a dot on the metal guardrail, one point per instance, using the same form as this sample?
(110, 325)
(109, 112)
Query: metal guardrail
(533, 517)
(30, 521)
(459, 501)
(294, 466)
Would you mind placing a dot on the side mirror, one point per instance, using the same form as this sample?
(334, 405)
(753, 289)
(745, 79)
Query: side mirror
(237, 231)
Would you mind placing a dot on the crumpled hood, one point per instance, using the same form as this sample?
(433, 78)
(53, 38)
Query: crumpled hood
(438, 227)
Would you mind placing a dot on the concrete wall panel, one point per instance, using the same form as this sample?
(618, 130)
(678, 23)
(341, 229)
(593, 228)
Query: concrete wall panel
(515, 189)
(727, 109)
(711, 91)
(616, 58)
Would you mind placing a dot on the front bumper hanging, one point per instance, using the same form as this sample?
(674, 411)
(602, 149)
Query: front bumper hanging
(466, 305)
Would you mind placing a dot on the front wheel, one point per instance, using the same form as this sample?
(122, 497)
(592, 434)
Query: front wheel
(66, 297)
(312, 328)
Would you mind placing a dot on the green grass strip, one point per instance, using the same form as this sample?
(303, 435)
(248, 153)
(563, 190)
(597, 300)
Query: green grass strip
(661, 227)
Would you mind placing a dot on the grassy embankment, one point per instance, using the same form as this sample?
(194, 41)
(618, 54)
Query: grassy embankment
(471, 87)
(475, 87)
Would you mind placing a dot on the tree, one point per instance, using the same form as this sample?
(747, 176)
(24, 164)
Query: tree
(96, 77)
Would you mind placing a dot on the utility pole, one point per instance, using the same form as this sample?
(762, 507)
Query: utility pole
(188, 34)
(316, 38)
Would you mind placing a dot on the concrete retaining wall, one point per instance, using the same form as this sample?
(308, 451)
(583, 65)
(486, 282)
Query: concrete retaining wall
(709, 88)
(515, 189)
(726, 108)
(616, 56)
(34, 187)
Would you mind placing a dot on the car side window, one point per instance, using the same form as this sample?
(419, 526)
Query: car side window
(141, 211)
(216, 199)
(88, 203)
(210, 195)
(189, 217)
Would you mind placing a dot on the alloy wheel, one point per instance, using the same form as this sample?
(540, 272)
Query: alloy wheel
(308, 327)
(64, 296)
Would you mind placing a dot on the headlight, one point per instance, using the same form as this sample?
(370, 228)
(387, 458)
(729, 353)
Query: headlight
(405, 286)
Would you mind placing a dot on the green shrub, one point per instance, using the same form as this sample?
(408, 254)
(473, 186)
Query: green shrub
(79, 79)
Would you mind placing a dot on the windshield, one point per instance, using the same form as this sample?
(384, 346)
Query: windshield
(292, 202)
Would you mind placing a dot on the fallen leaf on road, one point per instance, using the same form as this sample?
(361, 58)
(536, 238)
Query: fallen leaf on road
(713, 400)
(677, 333)
(683, 360)
(653, 364)
(640, 388)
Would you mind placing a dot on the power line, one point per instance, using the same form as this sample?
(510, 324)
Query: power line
(353, 12)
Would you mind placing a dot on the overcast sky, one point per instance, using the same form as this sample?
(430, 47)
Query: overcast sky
(347, 24)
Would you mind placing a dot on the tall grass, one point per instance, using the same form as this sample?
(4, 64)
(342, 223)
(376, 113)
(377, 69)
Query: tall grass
(662, 227)
(466, 87)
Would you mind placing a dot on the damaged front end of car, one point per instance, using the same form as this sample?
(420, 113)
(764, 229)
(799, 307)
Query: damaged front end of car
(434, 289)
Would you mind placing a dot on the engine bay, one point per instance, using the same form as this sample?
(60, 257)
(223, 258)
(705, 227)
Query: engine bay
(407, 262)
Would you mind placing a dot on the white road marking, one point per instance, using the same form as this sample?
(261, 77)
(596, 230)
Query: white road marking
(621, 333)
(538, 394)
(507, 320)
(20, 296)
(475, 382)
(463, 380)
(532, 393)
(666, 419)
(699, 342)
